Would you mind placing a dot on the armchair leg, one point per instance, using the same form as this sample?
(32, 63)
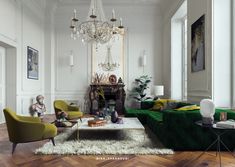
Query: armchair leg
(53, 141)
(13, 147)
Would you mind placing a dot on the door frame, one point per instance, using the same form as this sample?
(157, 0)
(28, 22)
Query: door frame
(3, 84)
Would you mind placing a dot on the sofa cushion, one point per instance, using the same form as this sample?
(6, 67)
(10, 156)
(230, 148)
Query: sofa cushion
(162, 104)
(188, 108)
(143, 114)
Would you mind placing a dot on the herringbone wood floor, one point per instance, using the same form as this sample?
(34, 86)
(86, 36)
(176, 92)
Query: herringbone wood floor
(25, 157)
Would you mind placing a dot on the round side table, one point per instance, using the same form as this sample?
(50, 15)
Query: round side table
(218, 131)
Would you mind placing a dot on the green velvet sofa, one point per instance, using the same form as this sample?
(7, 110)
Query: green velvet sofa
(177, 129)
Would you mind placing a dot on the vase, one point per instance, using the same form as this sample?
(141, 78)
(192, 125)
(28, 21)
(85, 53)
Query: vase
(114, 116)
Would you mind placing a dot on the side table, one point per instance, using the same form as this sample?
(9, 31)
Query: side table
(218, 131)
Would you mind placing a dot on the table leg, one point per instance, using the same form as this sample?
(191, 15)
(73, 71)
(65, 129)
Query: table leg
(144, 135)
(219, 149)
(77, 134)
(227, 148)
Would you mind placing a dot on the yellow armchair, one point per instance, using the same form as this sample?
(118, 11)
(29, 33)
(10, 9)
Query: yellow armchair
(23, 129)
(72, 111)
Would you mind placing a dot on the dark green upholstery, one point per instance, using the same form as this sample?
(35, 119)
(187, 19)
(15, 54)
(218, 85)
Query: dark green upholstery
(147, 104)
(177, 129)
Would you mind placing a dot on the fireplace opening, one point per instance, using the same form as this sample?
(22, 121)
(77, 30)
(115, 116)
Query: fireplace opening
(113, 95)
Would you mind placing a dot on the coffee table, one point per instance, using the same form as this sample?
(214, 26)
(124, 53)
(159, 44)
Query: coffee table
(131, 123)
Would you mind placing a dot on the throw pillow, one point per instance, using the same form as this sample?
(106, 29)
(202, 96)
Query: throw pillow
(188, 108)
(161, 104)
(170, 105)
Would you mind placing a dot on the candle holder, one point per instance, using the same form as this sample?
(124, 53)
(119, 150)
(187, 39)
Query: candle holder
(223, 116)
(113, 19)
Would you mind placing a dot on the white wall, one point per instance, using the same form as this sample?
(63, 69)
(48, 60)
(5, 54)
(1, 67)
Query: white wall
(215, 81)
(144, 33)
(222, 53)
(168, 11)
(11, 82)
(23, 26)
(49, 66)
(8, 12)
(199, 83)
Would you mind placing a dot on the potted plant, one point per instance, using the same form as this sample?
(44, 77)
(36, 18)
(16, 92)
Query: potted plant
(141, 84)
(101, 99)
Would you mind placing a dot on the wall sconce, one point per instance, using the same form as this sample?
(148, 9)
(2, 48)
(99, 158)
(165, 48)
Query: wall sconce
(71, 62)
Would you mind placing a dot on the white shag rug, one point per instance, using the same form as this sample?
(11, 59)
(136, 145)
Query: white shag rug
(130, 142)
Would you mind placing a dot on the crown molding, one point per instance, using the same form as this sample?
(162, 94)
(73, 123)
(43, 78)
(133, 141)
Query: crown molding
(109, 2)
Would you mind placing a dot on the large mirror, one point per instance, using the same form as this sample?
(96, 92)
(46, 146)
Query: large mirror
(108, 59)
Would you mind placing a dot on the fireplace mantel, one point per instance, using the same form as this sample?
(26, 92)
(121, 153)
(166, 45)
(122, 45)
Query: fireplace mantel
(113, 92)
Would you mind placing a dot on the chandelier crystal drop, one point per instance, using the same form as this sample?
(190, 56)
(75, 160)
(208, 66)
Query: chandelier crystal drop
(96, 28)
(109, 64)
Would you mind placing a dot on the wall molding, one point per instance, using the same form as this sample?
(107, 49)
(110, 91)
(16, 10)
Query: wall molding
(35, 7)
(56, 62)
(25, 8)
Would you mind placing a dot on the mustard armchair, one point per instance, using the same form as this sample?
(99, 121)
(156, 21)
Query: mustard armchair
(22, 129)
(72, 111)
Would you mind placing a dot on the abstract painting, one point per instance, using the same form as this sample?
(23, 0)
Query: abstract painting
(198, 45)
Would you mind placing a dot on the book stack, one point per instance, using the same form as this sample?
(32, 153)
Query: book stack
(229, 124)
(97, 122)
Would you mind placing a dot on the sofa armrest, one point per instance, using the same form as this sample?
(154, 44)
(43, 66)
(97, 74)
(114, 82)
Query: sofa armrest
(147, 104)
(29, 119)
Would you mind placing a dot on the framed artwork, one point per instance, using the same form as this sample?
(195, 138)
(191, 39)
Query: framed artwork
(198, 45)
(32, 63)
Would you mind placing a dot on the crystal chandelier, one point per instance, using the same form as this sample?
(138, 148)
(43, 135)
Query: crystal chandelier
(108, 64)
(96, 28)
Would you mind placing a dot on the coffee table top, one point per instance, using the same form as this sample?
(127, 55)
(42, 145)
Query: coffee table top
(128, 123)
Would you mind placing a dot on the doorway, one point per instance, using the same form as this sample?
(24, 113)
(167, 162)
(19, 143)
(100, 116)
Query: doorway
(7, 79)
